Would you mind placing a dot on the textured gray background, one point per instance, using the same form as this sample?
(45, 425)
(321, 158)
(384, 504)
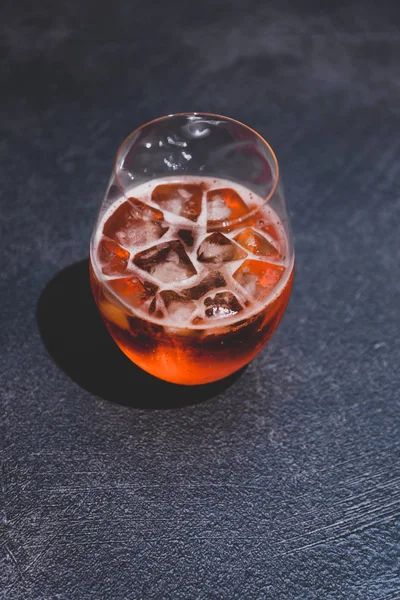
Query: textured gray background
(284, 483)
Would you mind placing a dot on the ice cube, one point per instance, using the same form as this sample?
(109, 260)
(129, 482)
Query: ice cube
(223, 304)
(266, 226)
(186, 236)
(167, 262)
(145, 209)
(217, 248)
(112, 257)
(133, 290)
(181, 200)
(258, 277)
(179, 308)
(210, 282)
(217, 210)
(114, 314)
(130, 228)
(256, 243)
(224, 205)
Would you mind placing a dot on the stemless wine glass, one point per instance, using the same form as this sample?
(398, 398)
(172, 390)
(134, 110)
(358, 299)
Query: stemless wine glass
(191, 257)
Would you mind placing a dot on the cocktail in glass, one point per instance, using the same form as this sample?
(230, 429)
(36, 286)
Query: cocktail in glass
(191, 257)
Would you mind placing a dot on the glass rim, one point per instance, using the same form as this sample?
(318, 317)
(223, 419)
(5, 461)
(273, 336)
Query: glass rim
(202, 114)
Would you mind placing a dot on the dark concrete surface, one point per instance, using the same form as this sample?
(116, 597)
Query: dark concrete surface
(284, 481)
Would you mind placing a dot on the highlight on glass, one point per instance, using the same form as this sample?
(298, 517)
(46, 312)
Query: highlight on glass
(191, 257)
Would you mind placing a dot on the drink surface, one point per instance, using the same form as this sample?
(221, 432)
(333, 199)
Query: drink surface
(190, 270)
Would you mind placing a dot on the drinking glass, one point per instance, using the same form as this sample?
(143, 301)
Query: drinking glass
(191, 256)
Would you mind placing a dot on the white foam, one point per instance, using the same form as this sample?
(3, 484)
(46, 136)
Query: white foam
(143, 192)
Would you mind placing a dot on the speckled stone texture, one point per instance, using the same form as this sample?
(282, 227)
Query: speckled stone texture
(284, 481)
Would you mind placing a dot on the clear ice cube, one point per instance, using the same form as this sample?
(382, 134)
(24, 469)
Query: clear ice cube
(210, 282)
(258, 277)
(144, 209)
(179, 308)
(223, 304)
(256, 243)
(114, 314)
(266, 226)
(217, 248)
(187, 237)
(113, 259)
(181, 200)
(167, 262)
(130, 227)
(224, 205)
(132, 290)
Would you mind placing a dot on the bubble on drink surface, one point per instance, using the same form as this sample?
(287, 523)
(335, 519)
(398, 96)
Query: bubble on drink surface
(181, 200)
(258, 278)
(113, 259)
(256, 243)
(210, 282)
(187, 237)
(178, 307)
(217, 248)
(224, 204)
(133, 290)
(167, 262)
(130, 226)
(222, 304)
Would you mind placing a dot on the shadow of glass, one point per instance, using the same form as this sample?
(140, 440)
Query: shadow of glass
(75, 337)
